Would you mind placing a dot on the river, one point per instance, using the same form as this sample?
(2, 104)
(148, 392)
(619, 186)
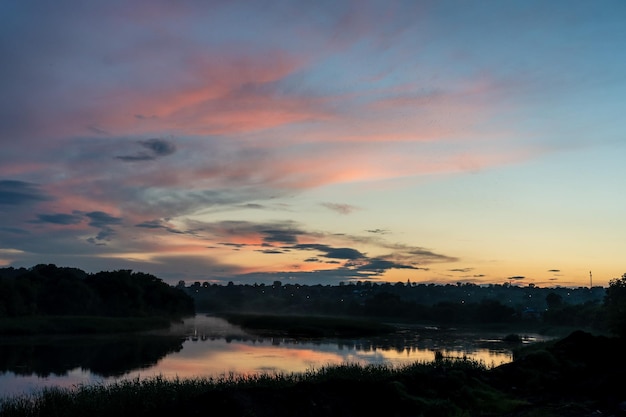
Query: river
(205, 346)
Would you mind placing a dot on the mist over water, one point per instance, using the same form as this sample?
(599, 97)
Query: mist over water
(205, 346)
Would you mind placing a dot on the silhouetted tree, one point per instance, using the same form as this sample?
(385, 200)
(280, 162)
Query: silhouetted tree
(492, 311)
(554, 300)
(615, 304)
(385, 304)
(52, 290)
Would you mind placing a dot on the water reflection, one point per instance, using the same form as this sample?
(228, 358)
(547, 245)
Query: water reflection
(102, 356)
(404, 346)
(209, 346)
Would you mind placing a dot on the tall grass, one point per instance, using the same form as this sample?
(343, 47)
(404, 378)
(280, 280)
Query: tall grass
(135, 397)
(161, 396)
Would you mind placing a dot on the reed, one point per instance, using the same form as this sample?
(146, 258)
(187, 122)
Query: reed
(160, 396)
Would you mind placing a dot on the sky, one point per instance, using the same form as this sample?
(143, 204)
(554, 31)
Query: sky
(316, 142)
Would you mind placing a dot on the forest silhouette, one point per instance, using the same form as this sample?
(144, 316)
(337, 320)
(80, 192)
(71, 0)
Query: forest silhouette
(48, 290)
(445, 304)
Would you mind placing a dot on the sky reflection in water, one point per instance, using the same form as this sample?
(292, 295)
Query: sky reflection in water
(213, 347)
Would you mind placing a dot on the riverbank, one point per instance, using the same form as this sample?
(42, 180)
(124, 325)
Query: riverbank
(317, 326)
(572, 376)
(73, 325)
(347, 390)
(307, 326)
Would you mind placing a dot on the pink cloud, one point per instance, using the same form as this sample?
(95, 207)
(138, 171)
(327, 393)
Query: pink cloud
(9, 168)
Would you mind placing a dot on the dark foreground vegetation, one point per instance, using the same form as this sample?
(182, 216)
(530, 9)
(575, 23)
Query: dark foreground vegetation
(579, 375)
(51, 299)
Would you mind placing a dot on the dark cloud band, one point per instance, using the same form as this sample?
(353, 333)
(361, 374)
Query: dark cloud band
(156, 148)
(14, 193)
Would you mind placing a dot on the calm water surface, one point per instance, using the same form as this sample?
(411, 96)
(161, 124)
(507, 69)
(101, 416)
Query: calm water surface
(208, 346)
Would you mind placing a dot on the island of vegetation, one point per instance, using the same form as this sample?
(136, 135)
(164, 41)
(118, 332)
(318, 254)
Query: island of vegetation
(579, 374)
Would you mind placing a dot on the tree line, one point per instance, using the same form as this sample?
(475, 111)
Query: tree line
(48, 290)
(597, 308)
(58, 291)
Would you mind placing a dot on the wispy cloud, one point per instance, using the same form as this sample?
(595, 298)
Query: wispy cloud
(340, 208)
(105, 223)
(60, 218)
(185, 135)
(17, 193)
(463, 270)
(156, 148)
(516, 278)
(331, 252)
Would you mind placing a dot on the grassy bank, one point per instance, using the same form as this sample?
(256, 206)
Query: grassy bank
(347, 390)
(307, 326)
(573, 376)
(26, 326)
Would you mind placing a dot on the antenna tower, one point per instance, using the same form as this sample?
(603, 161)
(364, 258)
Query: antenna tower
(590, 281)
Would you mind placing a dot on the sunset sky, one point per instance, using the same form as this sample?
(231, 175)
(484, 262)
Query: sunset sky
(316, 141)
